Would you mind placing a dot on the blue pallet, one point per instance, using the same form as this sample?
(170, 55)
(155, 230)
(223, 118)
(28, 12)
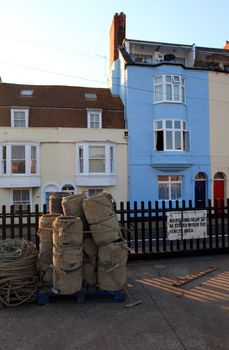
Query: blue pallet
(100, 295)
(45, 296)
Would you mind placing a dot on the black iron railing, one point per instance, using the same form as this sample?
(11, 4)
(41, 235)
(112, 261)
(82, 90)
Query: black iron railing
(144, 226)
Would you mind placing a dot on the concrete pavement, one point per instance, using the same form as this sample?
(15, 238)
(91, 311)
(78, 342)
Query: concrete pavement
(194, 316)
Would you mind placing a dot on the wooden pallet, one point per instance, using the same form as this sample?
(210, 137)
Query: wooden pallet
(44, 296)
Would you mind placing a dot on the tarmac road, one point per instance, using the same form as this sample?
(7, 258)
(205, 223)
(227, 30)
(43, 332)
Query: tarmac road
(194, 316)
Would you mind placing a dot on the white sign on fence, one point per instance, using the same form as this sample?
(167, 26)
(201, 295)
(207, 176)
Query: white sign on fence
(187, 224)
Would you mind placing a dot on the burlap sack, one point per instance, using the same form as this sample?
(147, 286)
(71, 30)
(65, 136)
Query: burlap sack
(55, 202)
(98, 207)
(67, 230)
(112, 266)
(106, 231)
(65, 282)
(45, 227)
(67, 254)
(72, 206)
(45, 249)
(90, 255)
(67, 258)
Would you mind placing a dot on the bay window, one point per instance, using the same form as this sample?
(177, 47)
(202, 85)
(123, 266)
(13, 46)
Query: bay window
(95, 159)
(169, 88)
(171, 135)
(19, 159)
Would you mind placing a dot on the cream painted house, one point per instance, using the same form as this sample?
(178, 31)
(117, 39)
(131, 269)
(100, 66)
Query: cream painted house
(55, 139)
(219, 131)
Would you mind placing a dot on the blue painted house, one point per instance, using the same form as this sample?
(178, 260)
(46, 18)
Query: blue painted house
(167, 117)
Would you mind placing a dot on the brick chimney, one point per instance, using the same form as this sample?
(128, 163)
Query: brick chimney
(117, 35)
(226, 46)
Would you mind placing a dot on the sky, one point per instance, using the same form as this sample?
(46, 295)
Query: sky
(66, 42)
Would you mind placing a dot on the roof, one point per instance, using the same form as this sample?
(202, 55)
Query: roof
(145, 42)
(55, 96)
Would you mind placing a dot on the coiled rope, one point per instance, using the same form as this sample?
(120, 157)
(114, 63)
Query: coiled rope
(18, 272)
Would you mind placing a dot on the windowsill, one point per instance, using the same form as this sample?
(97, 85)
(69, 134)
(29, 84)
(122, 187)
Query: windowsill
(19, 127)
(20, 174)
(19, 181)
(170, 150)
(173, 102)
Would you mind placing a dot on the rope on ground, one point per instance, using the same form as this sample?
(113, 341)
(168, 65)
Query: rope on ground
(18, 272)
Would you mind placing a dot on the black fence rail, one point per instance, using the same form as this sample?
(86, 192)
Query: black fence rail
(144, 226)
(21, 223)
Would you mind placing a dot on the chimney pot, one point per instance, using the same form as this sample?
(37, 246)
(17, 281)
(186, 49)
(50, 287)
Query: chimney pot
(226, 46)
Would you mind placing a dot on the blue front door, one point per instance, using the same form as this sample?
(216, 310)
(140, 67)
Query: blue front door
(200, 193)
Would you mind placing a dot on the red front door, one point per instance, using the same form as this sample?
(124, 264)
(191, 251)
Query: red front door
(218, 192)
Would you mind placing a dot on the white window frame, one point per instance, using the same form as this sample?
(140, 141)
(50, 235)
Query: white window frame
(169, 182)
(92, 113)
(109, 161)
(184, 135)
(28, 147)
(176, 80)
(19, 110)
(21, 189)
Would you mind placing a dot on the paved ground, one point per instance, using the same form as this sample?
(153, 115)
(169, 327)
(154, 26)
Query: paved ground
(193, 317)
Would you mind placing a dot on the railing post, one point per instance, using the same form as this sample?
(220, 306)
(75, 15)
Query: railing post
(3, 222)
(20, 214)
(136, 226)
(122, 219)
(128, 224)
(190, 207)
(164, 218)
(223, 222)
(184, 240)
(150, 225)
(157, 226)
(228, 222)
(12, 222)
(171, 242)
(177, 241)
(143, 225)
(216, 212)
(36, 225)
(210, 222)
(28, 222)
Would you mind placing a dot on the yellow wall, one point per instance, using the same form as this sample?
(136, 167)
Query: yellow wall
(58, 156)
(219, 124)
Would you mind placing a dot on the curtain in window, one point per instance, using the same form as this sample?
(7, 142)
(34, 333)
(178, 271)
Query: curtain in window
(163, 191)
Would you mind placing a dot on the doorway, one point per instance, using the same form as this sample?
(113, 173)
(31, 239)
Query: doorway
(200, 190)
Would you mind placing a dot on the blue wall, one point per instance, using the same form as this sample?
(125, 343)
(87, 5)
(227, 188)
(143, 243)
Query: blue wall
(145, 164)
